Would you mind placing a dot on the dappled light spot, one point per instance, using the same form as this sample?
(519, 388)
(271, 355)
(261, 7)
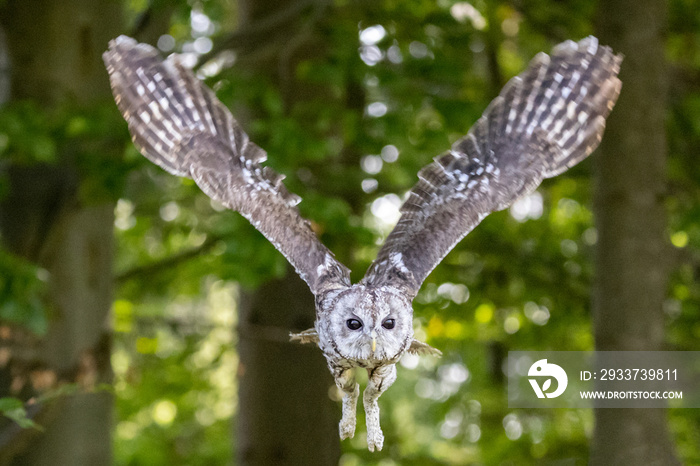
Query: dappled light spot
(43, 274)
(672, 308)
(202, 45)
(455, 373)
(419, 332)
(217, 206)
(205, 416)
(681, 292)
(200, 23)
(477, 45)
(334, 393)
(484, 313)
(512, 426)
(456, 292)
(394, 54)
(124, 215)
(369, 185)
(511, 324)
(169, 211)
(164, 412)
(372, 35)
(590, 236)
(385, 210)
(679, 239)
(539, 315)
(455, 330)
(166, 43)
(435, 327)
(535, 427)
(510, 26)
(371, 80)
(569, 248)
(450, 378)
(127, 430)
(474, 407)
(122, 315)
(428, 294)
(465, 11)
(390, 153)
(473, 433)
(449, 430)
(418, 49)
(146, 345)
(572, 268)
(428, 389)
(452, 424)
(527, 207)
(120, 362)
(371, 164)
(371, 54)
(207, 353)
(520, 367)
(43, 379)
(410, 360)
(377, 109)
(567, 210)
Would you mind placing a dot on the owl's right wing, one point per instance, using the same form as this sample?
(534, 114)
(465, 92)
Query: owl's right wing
(544, 121)
(179, 124)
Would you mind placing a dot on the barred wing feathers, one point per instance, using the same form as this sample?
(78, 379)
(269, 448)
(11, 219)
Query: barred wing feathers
(544, 121)
(180, 125)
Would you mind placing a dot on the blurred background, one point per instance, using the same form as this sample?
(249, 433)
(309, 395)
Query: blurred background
(142, 324)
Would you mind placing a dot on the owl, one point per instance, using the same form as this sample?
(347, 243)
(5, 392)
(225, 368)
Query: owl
(545, 120)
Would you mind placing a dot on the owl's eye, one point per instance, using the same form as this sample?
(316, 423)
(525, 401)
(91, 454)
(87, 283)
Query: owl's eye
(353, 324)
(389, 324)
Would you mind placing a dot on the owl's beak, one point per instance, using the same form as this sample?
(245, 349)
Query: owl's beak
(373, 335)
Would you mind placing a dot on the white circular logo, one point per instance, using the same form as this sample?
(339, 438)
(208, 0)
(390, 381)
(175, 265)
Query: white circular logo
(542, 368)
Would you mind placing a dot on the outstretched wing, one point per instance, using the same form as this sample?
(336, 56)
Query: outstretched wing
(545, 120)
(179, 124)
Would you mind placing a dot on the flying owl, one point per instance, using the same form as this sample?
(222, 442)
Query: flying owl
(545, 120)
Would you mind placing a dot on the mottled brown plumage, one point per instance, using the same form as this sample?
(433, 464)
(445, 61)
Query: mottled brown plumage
(545, 120)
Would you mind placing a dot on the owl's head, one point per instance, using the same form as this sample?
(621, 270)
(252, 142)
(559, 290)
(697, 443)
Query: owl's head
(365, 323)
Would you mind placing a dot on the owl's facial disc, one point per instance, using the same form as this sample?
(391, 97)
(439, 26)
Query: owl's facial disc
(369, 323)
(356, 324)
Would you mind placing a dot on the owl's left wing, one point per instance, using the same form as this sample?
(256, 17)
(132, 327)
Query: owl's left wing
(544, 121)
(179, 124)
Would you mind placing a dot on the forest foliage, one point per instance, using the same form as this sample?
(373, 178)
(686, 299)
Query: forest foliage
(395, 85)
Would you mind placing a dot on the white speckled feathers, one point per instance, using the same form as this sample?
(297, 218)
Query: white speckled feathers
(544, 121)
(179, 124)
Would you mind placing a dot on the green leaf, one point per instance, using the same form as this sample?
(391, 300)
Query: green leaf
(14, 409)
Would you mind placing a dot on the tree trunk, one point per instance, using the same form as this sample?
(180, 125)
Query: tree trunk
(285, 414)
(632, 266)
(55, 49)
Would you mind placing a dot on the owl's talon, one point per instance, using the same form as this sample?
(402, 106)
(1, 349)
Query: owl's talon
(375, 439)
(347, 428)
(345, 380)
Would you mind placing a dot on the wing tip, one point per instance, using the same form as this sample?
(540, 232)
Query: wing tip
(122, 45)
(589, 45)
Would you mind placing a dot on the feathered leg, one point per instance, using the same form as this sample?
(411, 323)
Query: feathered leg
(345, 380)
(380, 379)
